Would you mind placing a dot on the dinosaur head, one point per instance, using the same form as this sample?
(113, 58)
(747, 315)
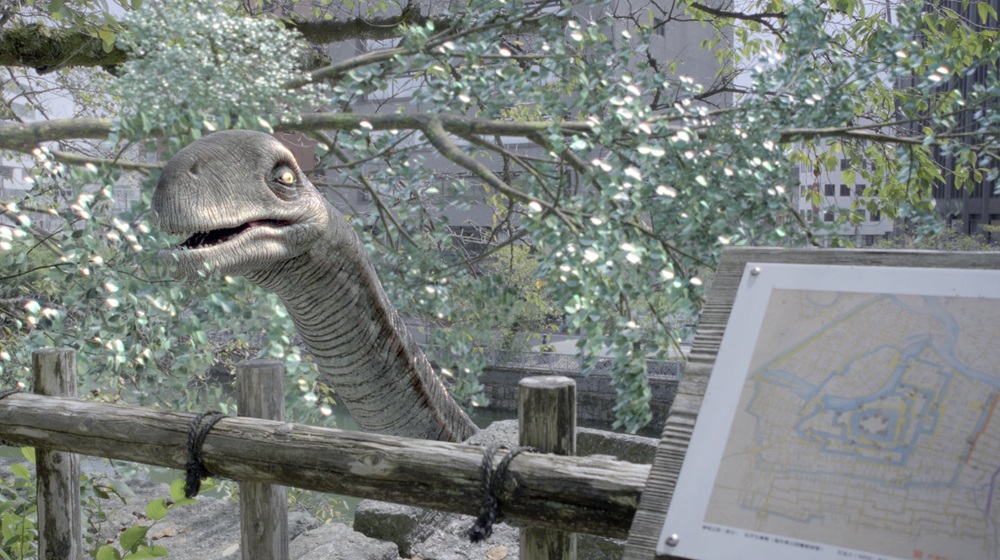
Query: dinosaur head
(242, 203)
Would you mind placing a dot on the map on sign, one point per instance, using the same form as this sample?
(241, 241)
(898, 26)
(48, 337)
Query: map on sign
(852, 413)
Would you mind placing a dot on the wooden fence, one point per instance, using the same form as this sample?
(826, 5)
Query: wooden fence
(554, 496)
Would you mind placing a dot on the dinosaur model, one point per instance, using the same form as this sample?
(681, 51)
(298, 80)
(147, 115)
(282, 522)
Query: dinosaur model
(246, 209)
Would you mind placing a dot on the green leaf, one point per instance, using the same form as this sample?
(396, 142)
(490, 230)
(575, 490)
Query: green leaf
(146, 552)
(20, 471)
(56, 7)
(132, 537)
(848, 176)
(29, 454)
(200, 337)
(121, 489)
(177, 490)
(107, 38)
(985, 12)
(156, 509)
(108, 552)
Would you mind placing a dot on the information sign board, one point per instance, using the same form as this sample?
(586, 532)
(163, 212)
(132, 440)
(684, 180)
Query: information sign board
(851, 413)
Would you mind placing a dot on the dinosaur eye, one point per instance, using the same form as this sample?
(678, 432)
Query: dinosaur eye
(284, 175)
(285, 182)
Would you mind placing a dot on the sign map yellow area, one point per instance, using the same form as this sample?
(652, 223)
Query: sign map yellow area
(869, 421)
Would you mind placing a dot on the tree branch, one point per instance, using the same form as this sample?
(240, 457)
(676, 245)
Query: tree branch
(435, 132)
(77, 159)
(333, 70)
(379, 28)
(457, 124)
(30, 270)
(796, 134)
(22, 137)
(761, 18)
(47, 48)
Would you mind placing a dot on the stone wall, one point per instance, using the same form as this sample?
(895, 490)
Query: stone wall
(594, 395)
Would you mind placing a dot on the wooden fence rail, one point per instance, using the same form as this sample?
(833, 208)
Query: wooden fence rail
(596, 495)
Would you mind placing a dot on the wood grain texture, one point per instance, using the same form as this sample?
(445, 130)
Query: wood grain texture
(263, 507)
(60, 525)
(648, 520)
(596, 495)
(546, 414)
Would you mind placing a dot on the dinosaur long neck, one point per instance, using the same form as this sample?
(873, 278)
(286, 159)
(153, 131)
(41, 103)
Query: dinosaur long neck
(360, 343)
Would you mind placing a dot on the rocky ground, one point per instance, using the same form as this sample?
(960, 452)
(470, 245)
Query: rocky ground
(209, 529)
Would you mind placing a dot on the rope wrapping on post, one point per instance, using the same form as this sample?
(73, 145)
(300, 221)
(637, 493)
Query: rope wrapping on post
(489, 511)
(196, 471)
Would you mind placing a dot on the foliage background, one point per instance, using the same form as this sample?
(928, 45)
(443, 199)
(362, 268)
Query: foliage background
(640, 176)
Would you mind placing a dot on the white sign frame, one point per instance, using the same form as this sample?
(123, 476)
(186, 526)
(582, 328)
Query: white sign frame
(684, 533)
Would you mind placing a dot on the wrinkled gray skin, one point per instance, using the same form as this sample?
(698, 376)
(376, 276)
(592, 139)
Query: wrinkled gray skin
(224, 194)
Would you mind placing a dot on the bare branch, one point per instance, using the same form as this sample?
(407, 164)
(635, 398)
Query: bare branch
(33, 269)
(763, 18)
(457, 124)
(23, 137)
(796, 134)
(76, 159)
(438, 137)
(334, 70)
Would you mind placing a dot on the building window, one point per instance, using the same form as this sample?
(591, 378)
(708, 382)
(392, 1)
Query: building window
(859, 190)
(828, 216)
(808, 215)
(845, 164)
(828, 189)
(868, 240)
(397, 88)
(845, 190)
(876, 216)
(660, 27)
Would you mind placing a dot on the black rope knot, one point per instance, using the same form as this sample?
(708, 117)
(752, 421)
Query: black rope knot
(489, 511)
(196, 471)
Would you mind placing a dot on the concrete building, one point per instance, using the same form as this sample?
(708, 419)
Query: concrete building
(968, 210)
(839, 198)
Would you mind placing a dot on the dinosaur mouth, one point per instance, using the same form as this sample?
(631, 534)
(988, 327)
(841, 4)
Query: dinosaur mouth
(204, 239)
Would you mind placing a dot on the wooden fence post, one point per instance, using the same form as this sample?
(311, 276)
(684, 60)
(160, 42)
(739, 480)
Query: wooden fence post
(263, 507)
(60, 528)
(546, 415)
